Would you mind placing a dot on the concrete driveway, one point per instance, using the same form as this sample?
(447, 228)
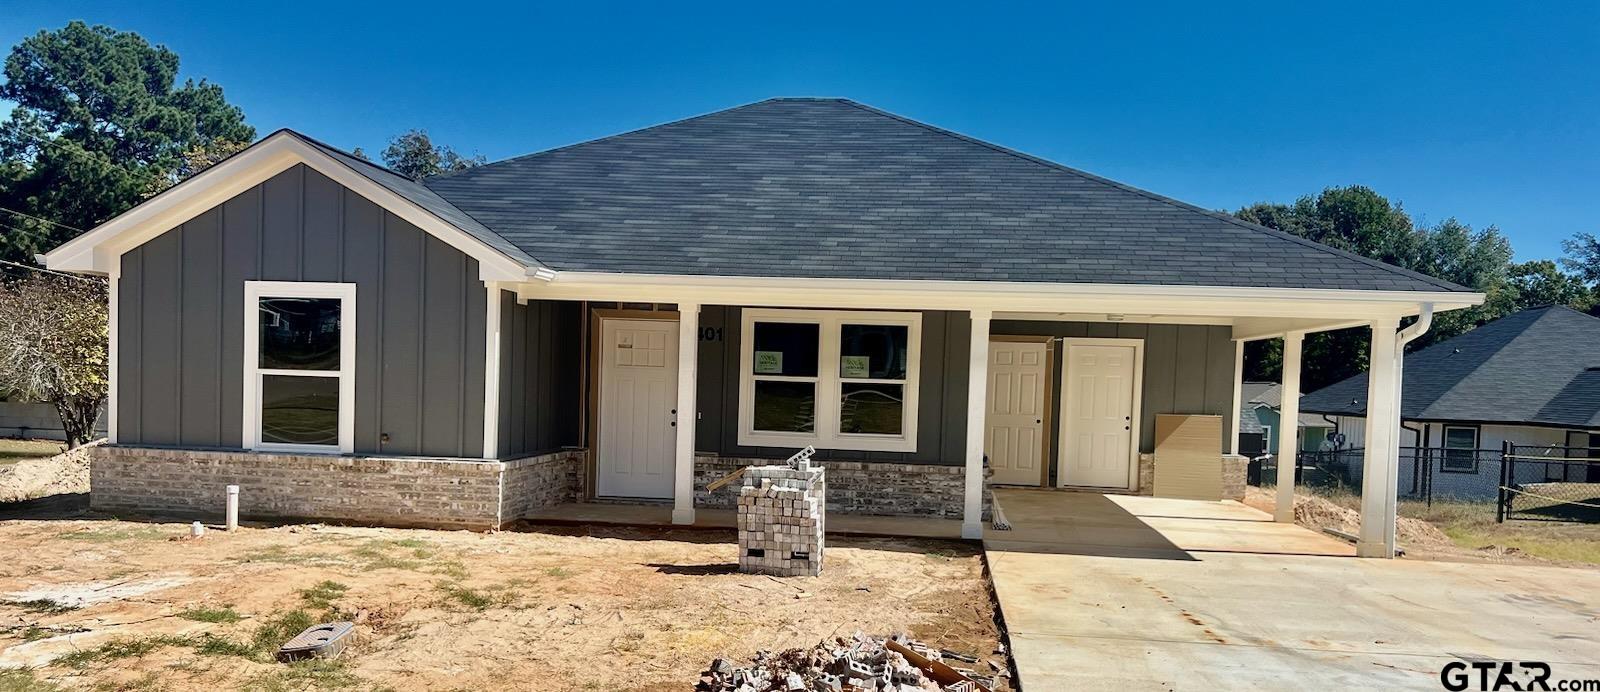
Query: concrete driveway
(1133, 593)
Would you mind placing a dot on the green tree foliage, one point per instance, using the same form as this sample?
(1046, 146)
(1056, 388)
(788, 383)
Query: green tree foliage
(1583, 260)
(1360, 220)
(1541, 282)
(53, 336)
(414, 155)
(100, 123)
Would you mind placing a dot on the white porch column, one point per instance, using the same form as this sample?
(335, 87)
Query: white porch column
(1288, 427)
(491, 372)
(1238, 396)
(111, 355)
(1381, 463)
(977, 404)
(687, 412)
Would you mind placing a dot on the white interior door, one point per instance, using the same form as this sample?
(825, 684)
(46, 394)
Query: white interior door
(1014, 427)
(1098, 392)
(638, 392)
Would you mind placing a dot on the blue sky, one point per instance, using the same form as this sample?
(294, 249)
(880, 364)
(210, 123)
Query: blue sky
(1489, 112)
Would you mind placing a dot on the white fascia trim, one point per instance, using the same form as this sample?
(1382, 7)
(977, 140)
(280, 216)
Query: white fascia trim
(1006, 296)
(99, 250)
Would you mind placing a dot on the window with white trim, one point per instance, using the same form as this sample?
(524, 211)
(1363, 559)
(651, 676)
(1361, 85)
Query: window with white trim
(833, 379)
(299, 362)
(1460, 450)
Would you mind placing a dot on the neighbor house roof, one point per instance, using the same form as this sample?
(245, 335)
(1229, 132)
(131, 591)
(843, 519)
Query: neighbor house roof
(829, 188)
(1539, 366)
(1254, 395)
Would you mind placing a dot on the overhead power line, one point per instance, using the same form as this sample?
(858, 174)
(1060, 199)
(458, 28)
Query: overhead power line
(42, 270)
(48, 221)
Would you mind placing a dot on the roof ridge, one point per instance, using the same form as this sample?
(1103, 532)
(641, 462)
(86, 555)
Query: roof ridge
(1161, 198)
(606, 138)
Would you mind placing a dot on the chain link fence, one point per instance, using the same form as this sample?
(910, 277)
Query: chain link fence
(1516, 482)
(1549, 484)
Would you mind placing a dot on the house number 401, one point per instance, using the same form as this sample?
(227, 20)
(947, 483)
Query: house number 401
(711, 333)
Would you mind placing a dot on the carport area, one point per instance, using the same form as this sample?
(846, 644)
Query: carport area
(1135, 593)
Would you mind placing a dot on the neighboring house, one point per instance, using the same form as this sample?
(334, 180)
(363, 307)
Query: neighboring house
(35, 420)
(1531, 378)
(631, 317)
(1258, 422)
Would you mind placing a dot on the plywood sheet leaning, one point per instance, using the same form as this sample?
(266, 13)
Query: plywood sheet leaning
(1188, 460)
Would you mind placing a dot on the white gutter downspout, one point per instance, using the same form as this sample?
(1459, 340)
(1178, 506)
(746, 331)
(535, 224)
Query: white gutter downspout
(1391, 499)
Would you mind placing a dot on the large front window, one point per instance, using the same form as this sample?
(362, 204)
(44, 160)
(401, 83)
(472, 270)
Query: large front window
(833, 379)
(299, 366)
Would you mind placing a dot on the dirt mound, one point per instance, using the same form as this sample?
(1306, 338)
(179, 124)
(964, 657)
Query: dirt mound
(61, 474)
(1319, 513)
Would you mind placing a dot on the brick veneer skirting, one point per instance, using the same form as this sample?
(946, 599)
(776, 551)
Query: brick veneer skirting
(919, 490)
(433, 493)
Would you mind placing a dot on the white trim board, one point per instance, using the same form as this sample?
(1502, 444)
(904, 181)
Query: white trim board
(254, 291)
(1221, 305)
(99, 250)
(1134, 420)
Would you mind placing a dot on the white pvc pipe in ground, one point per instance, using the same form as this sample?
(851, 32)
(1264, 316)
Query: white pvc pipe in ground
(233, 508)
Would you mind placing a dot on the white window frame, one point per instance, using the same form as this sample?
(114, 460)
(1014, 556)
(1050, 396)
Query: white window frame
(1444, 444)
(254, 291)
(826, 433)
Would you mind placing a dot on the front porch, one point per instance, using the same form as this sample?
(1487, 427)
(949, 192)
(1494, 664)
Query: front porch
(963, 386)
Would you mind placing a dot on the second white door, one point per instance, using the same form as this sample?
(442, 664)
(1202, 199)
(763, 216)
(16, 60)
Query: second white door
(1014, 432)
(1098, 392)
(638, 392)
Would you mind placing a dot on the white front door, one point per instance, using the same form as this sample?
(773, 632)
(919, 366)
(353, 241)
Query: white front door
(1014, 428)
(638, 392)
(1097, 392)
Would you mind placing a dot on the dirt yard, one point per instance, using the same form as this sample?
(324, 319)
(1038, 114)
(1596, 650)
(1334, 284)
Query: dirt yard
(1452, 531)
(104, 604)
(36, 468)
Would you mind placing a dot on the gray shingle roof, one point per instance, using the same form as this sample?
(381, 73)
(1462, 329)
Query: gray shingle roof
(833, 189)
(1539, 366)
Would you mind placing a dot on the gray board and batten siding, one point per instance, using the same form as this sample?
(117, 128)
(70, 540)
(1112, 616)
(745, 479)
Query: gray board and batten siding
(420, 310)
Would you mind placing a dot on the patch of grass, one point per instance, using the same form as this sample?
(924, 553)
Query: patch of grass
(115, 534)
(212, 645)
(149, 682)
(42, 605)
(452, 568)
(118, 649)
(207, 614)
(557, 572)
(938, 555)
(272, 633)
(323, 594)
(502, 595)
(315, 673)
(283, 554)
(377, 555)
(24, 680)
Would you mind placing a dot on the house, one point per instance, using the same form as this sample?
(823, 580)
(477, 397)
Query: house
(1258, 422)
(1529, 379)
(628, 318)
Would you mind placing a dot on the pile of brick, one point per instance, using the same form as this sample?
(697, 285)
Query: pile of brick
(782, 512)
(858, 664)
